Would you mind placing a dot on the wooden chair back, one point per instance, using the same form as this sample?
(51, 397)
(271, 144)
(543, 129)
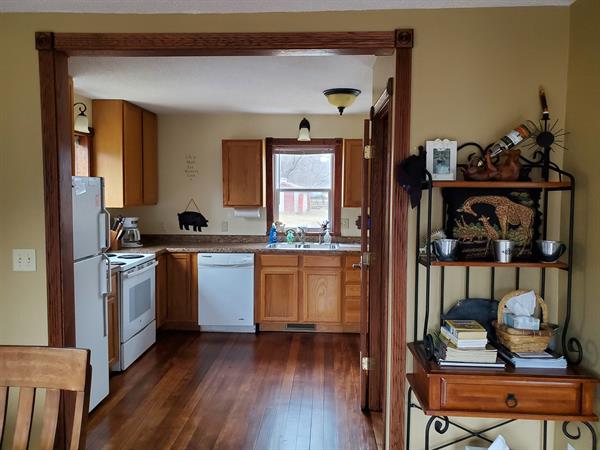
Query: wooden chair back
(51, 369)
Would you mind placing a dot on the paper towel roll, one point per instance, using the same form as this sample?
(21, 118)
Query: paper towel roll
(247, 213)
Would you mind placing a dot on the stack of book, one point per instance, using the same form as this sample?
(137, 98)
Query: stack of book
(533, 360)
(464, 343)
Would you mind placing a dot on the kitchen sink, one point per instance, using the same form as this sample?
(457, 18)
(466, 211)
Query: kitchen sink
(311, 246)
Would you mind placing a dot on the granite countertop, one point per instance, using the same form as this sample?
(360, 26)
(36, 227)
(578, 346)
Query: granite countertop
(226, 247)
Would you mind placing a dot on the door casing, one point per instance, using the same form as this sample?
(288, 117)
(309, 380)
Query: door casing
(53, 52)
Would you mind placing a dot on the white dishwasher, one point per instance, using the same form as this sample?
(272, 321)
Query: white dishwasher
(226, 292)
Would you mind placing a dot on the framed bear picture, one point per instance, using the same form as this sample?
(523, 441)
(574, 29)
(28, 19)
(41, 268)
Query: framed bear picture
(478, 217)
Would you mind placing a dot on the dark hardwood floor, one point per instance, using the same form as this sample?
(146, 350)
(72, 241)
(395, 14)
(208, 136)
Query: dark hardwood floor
(272, 391)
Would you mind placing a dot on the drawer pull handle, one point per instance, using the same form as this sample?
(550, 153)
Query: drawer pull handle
(511, 401)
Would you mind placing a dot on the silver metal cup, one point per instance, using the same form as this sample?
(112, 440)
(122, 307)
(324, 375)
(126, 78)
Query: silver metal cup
(445, 249)
(504, 250)
(550, 251)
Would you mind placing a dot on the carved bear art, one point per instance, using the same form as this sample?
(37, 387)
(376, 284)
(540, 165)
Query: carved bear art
(191, 218)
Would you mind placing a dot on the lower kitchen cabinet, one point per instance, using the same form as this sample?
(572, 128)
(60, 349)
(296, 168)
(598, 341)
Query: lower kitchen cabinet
(182, 291)
(112, 312)
(307, 292)
(161, 290)
(322, 295)
(279, 294)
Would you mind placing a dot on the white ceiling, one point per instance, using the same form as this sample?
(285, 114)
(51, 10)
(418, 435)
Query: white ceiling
(253, 84)
(250, 6)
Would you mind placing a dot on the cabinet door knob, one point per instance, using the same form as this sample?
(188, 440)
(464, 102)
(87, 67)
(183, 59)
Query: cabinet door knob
(357, 266)
(511, 401)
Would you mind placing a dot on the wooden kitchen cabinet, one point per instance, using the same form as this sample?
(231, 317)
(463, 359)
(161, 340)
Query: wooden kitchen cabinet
(279, 294)
(150, 157)
(304, 292)
(242, 173)
(161, 291)
(322, 295)
(125, 153)
(353, 156)
(112, 312)
(351, 300)
(182, 291)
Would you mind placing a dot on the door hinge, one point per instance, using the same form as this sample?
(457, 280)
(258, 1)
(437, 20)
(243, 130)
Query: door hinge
(367, 363)
(365, 259)
(368, 151)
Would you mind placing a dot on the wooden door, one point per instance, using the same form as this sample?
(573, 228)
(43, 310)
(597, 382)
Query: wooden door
(150, 157)
(112, 306)
(132, 155)
(364, 268)
(378, 243)
(161, 291)
(182, 291)
(279, 294)
(353, 157)
(242, 173)
(322, 300)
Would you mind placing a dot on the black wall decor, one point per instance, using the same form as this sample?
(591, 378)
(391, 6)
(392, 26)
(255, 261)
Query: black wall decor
(478, 217)
(193, 219)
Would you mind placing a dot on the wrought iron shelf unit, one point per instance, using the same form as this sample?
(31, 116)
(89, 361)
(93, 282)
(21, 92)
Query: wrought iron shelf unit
(509, 394)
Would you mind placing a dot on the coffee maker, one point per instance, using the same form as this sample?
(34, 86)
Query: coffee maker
(131, 233)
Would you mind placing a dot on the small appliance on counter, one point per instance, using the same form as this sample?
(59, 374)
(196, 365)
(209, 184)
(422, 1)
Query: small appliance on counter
(131, 233)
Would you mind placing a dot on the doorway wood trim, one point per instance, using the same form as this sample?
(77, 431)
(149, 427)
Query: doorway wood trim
(53, 52)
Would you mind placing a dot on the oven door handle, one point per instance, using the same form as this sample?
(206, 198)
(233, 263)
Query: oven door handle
(140, 272)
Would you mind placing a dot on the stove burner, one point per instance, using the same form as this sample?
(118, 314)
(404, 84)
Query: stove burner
(131, 256)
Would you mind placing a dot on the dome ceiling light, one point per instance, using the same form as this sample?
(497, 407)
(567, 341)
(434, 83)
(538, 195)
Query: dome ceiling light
(341, 98)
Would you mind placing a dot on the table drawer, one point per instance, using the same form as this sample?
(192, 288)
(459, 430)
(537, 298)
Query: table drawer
(518, 396)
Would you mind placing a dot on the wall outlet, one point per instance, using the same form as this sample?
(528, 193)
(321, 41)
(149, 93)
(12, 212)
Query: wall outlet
(345, 223)
(225, 226)
(23, 260)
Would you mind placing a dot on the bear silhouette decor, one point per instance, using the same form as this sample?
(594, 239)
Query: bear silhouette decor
(192, 219)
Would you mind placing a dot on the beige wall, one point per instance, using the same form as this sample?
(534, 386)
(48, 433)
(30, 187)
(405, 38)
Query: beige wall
(475, 75)
(583, 160)
(199, 136)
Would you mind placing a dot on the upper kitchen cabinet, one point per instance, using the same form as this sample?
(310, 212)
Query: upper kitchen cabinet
(242, 173)
(353, 155)
(125, 153)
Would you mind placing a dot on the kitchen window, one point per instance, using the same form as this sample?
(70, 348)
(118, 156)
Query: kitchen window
(304, 183)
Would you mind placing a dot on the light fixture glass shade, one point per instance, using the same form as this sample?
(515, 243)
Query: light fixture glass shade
(81, 121)
(341, 98)
(304, 130)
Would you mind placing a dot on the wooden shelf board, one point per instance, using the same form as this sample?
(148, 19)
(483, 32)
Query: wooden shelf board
(429, 366)
(520, 264)
(503, 184)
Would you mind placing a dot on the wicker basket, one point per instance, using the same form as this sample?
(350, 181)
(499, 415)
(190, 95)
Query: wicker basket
(524, 340)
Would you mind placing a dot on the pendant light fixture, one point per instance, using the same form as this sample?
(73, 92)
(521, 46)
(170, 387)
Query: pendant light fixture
(81, 121)
(341, 98)
(304, 130)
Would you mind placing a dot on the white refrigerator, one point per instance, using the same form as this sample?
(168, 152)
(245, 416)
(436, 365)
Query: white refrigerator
(92, 278)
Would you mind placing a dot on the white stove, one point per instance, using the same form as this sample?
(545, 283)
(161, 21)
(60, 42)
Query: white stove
(125, 261)
(137, 297)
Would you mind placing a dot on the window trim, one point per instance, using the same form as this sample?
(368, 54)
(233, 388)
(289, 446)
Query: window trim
(336, 144)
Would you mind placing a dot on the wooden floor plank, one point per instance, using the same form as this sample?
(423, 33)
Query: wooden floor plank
(281, 391)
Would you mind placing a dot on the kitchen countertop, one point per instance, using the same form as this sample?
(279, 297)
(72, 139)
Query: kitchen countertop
(259, 247)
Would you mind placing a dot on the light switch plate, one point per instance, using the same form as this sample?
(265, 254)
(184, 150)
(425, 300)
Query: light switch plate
(225, 226)
(24, 260)
(346, 223)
